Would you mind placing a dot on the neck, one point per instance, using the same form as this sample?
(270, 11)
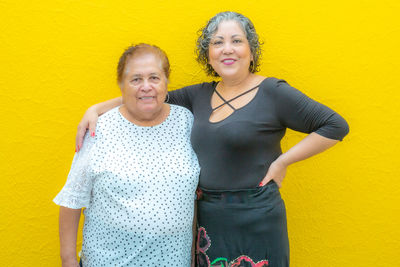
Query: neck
(145, 119)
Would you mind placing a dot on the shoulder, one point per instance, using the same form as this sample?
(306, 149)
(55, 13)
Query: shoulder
(109, 115)
(200, 86)
(181, 119)
(107, 120)
(181, 113)
(189, 95)
(279, 89)
(198, 89)
(272, 84)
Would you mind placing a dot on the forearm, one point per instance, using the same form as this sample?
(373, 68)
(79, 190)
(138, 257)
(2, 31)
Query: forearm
(308, 147)
(105, 106)
(68, 225)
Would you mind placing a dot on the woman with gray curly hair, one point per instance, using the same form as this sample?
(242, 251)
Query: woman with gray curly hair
(239, 122)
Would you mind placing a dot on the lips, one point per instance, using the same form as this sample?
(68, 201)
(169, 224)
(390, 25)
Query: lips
(146, 97)
(228, 61)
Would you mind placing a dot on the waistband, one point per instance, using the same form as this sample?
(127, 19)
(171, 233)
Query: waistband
(239, 196)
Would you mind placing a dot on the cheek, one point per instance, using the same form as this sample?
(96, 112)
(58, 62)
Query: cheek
(247, 52)
(162, 91)
(212, 54)
(128, 90)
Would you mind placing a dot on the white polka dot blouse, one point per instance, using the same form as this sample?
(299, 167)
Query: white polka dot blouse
(138, 187)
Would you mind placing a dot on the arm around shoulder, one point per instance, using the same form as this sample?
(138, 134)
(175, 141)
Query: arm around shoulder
(186, 96)
(90, 118)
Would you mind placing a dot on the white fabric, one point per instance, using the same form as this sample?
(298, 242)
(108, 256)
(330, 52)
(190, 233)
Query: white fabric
(138, 186)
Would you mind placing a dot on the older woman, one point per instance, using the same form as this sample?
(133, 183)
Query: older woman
(238, 125)
(137, 177)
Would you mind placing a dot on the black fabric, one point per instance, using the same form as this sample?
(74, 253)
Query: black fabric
(239, 149)
(242, 228)
(227, 102)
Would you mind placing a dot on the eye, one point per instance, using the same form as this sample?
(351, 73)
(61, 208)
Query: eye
(237, 41)
(135, 80)
(217, 42)
(154, 78)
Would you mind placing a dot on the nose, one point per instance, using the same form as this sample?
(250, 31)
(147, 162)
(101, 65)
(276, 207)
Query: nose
(146, 86)
(228, 48)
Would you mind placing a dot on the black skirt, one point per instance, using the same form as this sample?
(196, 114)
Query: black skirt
(242, 228)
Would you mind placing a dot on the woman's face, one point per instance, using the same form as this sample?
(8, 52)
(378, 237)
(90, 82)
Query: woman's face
(229, 51)
(144, 85)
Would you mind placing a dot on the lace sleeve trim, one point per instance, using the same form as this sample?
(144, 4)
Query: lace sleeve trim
(77, 190)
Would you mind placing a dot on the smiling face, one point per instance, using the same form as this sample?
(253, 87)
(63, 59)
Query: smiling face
(144, 86)
(229, 51)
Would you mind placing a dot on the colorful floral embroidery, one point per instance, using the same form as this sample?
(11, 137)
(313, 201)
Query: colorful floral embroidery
(219, 262)
(244, 261)
(202, 245)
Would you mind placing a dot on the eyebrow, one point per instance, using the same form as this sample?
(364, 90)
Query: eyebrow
(140, 75)
(233, 36)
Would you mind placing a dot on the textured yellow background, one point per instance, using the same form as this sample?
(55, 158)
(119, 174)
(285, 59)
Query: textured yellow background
(58, 57)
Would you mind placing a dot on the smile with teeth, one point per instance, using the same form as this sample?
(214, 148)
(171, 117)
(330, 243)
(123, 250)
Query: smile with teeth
(228, 61)
(146, 97)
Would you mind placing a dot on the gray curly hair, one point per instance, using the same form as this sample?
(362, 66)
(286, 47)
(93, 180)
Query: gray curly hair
(206, 33)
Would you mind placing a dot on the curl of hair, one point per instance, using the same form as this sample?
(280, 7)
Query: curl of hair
(205, 34)
(141, 49)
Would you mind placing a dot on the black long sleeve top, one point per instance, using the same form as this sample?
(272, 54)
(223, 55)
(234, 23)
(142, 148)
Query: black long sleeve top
(236, 152)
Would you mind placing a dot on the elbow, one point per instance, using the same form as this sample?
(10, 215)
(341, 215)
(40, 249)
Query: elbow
(342, 128)
(336, 128)
(346, 129)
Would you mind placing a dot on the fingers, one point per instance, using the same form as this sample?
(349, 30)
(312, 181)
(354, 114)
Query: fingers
(267, 179)
(79, 138)
(264, 181)
(81, 134)
(92, 128)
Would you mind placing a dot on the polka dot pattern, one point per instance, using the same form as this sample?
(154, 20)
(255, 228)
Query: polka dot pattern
(138, 186)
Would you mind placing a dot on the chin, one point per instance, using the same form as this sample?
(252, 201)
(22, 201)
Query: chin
(229, 74)
(151, 108)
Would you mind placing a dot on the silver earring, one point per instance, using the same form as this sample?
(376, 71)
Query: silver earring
(167, 98)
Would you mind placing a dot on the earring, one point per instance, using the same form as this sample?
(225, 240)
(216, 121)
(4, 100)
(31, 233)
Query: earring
(167, 98)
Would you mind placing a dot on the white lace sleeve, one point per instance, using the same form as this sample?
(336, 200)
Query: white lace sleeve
(77, 190)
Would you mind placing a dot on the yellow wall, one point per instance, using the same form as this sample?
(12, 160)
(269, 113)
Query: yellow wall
(58, 57)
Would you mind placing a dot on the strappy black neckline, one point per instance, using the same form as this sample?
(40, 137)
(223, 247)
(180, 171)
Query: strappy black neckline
(227, 102)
